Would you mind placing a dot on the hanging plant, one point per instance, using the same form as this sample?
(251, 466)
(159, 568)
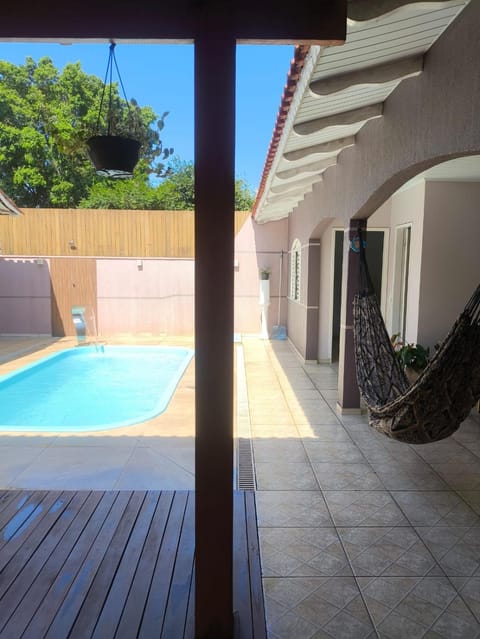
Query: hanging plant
(115, 152)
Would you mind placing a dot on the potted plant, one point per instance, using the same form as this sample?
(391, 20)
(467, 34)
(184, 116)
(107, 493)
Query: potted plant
(265, 273)
(412, 357)
(116, 151)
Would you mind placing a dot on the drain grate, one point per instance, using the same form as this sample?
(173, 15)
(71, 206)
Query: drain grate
(244, 466)
(245, 469)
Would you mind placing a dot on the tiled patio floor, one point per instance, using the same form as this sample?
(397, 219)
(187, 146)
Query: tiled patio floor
(360, 536)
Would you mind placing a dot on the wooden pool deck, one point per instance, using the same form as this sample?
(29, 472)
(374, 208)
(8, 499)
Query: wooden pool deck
(103, 564)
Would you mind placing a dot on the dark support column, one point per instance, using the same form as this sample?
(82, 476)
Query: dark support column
(348, 394)
(214, 253)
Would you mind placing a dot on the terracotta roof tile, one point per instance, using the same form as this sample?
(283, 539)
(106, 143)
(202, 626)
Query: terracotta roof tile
(293, 76)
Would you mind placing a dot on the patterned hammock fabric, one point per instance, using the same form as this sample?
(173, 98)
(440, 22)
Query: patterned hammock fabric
(436, 404)
(441, 398)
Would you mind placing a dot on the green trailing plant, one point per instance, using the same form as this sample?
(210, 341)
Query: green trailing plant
(413, 356)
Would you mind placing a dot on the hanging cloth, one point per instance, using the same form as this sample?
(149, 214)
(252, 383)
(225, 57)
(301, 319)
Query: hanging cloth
(445, 392)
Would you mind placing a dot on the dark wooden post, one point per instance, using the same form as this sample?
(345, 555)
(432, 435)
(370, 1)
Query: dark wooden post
(348, 393)
(214, 254)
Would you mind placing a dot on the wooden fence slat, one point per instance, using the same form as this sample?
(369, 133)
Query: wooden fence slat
(97, 233)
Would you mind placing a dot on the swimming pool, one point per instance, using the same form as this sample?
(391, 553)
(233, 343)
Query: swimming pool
(91, 388)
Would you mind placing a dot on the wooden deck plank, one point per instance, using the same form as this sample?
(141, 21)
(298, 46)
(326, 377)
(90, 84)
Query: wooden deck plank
(116, 565)
(82, 578)
(20, 508)
(190, 621)
(6, 497)
(255, 569)
(133, 610)
(94, 601)
(13, 595)
(112, 609)
(157, 597)
(15, 536)
(95, 509)
(241, 578)
(12, 561)
(181, 584)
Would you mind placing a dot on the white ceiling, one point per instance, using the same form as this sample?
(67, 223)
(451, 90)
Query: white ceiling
(407, 32)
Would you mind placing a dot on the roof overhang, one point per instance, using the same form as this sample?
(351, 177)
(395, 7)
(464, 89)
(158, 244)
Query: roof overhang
(331, 92)
(8, 206)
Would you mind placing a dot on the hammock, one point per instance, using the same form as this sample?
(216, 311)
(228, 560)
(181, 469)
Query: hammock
(441, 398)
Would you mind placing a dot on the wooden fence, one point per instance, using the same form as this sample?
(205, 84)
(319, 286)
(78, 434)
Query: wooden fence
(101, 233)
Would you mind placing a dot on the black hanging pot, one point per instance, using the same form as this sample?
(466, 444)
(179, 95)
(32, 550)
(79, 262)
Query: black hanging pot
(113, 156)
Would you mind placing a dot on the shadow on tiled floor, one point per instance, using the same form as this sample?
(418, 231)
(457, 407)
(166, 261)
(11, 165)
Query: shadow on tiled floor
(360, 536)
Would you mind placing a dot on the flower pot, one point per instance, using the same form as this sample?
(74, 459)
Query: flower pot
(412, 374)
(113, 156)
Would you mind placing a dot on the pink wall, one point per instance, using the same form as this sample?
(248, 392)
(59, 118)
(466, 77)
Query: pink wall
(24, 297)
(258, 246)
(156, 297)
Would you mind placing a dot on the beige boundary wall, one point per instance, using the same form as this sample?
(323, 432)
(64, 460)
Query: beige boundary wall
(136, 294)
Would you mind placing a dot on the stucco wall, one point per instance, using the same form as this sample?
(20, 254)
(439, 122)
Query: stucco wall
(450, 256)
(260, 246)
(155, 298)
(24, 297)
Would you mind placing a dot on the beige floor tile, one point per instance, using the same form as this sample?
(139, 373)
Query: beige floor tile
(285, 476)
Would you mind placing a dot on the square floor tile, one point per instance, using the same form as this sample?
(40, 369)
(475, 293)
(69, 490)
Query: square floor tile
(363, 508)
(428, 508)
(340, 452)
(322, 607)
(408, 477)
(302, 552)
(271, 450)
(285, 476)
(456, 549)
(292, 509)
(346, 476)
(387, 551)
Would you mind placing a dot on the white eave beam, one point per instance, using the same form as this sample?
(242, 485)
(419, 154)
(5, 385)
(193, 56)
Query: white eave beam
(379, 74)
(355, 116)
(362, 10)
(313, 167)
(326, 147)
(296, 184)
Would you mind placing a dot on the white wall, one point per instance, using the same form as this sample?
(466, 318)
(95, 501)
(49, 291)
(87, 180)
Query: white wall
(450, 256)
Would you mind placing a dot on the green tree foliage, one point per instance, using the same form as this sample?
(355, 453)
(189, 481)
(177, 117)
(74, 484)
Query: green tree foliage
(175, 193)
(45, 118)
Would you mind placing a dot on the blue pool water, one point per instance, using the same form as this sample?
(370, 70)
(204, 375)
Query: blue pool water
(92, 388)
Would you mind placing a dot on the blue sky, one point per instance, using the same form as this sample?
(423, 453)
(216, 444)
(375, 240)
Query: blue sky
(162, 77)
